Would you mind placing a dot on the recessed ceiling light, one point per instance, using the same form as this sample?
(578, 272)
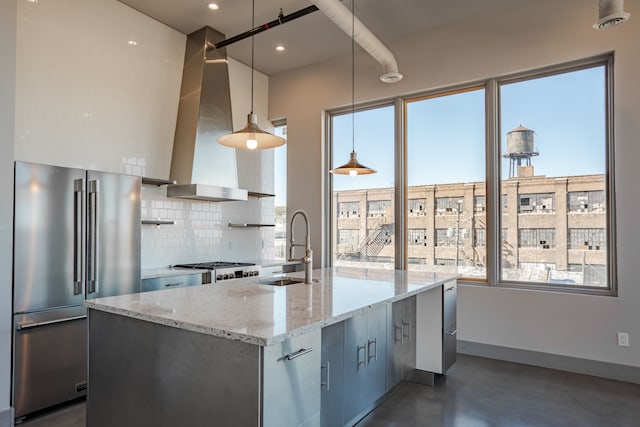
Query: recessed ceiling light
(213, 6)
(132, 43)
(280, 48)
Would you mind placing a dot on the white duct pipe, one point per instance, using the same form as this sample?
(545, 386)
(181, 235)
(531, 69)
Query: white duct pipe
(610, 13)
(342, 17)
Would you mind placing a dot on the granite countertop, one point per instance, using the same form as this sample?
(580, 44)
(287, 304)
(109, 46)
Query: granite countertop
(153, 273)
(251, 312)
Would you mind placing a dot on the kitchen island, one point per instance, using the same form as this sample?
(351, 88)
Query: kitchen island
(245, 353)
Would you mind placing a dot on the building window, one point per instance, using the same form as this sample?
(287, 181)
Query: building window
(378, 208)
(348, 240)
(479, 237)
(588, 274)
(538, 238)
(536, 203)
(587, 239)
(348, 210)
(587, 201)
(449, 236)
(449, 205)
(447, 261)
(416, 207)
(417, 237)
(479, 204)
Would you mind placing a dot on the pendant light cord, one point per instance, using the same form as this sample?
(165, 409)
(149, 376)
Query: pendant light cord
(253, 18)
(353, 75)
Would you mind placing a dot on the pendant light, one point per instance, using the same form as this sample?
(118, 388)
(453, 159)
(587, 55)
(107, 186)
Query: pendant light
(251, 137)
(353, 167)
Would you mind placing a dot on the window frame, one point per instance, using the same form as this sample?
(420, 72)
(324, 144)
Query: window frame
(493, 198)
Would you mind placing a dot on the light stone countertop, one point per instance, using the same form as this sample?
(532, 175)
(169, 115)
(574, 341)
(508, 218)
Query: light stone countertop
(250, 312)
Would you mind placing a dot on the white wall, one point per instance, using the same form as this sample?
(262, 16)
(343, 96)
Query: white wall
(521, 36)
(87, 98)
(7, 85)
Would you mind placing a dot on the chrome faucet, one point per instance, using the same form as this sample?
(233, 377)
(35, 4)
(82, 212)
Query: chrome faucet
(308, 254)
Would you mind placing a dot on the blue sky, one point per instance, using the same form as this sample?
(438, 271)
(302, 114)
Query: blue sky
(445, 135)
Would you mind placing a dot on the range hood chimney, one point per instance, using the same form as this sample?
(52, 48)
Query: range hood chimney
(202, 168)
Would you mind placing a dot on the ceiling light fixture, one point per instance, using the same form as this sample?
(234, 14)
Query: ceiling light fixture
(280, 48)
(251, 137)
(213, 6)
(610, 13)
(353, 167)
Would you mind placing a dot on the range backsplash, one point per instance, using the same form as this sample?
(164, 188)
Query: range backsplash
(201, 232)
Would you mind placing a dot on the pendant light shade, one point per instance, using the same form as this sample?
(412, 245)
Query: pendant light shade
(353, 167)
(251, 137)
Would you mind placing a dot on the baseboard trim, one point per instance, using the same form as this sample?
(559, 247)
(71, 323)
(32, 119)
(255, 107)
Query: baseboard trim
(612, 371)
(6, 417)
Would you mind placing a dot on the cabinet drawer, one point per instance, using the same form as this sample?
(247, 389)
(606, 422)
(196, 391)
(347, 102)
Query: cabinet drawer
(171, 282)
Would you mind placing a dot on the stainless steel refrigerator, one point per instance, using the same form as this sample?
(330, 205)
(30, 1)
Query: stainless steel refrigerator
(76, 236)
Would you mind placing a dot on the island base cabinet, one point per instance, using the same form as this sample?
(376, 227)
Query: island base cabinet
(291, 382)
(145, 374)
(149, 375)
(332, 375)
(401, 341)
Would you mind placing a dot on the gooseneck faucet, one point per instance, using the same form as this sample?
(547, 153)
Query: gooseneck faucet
(307, 259)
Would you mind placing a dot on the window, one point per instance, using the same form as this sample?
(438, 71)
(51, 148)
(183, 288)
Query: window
(417, 237)
(349, 210)
(587, 239)
(554, 147)
(280, 199)
(546, 208)
(587, 201)
(378, 208)
(449, 205)
(539, 238)
(416, 207)
(348, 241)
(372, 132)
(536, 203)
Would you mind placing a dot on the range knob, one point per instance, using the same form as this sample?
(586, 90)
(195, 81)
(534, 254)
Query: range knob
(246, 273)
(219, 277)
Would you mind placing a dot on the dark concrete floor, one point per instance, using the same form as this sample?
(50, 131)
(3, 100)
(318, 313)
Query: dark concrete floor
(479, 392)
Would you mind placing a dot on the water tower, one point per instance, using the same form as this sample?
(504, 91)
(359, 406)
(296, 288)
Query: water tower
(520, 150)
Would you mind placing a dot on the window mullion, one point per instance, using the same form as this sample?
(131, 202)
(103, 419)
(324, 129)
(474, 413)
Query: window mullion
(492, 142)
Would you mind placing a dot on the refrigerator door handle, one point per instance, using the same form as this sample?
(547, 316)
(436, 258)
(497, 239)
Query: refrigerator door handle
(23, 326)
(94, 238)
(78, 221)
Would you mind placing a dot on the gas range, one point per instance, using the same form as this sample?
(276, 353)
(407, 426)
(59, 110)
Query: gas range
(224, 270)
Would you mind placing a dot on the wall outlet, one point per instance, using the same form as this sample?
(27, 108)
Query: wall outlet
(623, 339)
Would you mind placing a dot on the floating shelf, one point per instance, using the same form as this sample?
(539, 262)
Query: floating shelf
(259, 195)
(245, 225)
(157, 222)
(156, 181)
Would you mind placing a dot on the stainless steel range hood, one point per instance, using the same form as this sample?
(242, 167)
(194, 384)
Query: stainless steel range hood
(202, 168)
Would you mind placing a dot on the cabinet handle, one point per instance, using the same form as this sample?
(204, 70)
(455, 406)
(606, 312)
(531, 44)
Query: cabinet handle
(452, 333)
(408, 335)
(453, 288)
(298, 353)
(174, 284)
(401, 340)
(375, 354)
(326, 384)
(364, 349)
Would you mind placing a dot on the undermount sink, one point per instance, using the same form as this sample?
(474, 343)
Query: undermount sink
(283, 281)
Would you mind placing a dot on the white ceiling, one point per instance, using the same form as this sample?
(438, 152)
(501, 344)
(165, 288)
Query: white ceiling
(312, 38)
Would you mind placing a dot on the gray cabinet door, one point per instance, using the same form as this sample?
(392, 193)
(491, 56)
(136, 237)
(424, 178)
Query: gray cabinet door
(332, 375)
(376, 353)
(291, 387)
(365, 355)
(401, 341)
(355, 366)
